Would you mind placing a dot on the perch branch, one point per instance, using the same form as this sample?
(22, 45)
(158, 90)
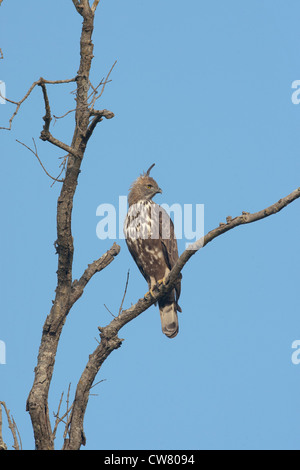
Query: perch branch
(109, 334)
(170, 280)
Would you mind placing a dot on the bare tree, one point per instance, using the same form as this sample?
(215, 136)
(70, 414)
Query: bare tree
(68, 290)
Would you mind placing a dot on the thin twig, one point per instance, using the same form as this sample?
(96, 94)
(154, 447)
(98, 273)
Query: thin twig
(36, 154)
(57, 421)
(121, 306)
(68, 401)
(97, 383)
(65, 415)
(124, 295)
(109, 311)
(64, 115)
(103, 86)
(67, 424)
(95, 92)
(94, 89)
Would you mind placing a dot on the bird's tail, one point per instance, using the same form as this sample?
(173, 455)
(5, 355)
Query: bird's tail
(168, 315)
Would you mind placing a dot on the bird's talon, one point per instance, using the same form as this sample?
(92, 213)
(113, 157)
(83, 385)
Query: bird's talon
(161, 281)
(149, 294)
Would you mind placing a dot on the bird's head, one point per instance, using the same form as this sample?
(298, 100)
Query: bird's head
(143, 188)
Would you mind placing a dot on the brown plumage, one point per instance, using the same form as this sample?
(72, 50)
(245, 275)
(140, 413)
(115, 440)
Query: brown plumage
(151, 240)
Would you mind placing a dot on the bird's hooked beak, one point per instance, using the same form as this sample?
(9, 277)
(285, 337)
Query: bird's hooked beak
(159, 191)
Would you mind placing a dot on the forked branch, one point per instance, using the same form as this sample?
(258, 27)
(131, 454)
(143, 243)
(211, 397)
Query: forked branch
(19, 103)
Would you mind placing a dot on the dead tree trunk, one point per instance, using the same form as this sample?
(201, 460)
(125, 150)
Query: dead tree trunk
(37, 403)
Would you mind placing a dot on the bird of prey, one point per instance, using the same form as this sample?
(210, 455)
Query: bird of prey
(151, 240)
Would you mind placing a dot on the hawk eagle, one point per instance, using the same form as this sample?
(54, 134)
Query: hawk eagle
(150, 238)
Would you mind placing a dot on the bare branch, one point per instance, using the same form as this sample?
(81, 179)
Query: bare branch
(45, 134)
(94, 6)
(19, 103)
(92, 269)
(82, 6)
(3, 446)
(97, 383)
(77, 5)
(58, 82)
(109, 311)
(68, 410)
(12, 426)
(98, 117)
(245, 218)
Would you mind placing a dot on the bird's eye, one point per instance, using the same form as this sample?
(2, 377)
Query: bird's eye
(149, 186)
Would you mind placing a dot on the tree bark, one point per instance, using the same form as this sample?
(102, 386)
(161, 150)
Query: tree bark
(37, 402)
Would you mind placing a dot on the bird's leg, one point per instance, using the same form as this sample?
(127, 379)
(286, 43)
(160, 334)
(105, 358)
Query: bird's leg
(152, 286)
(161, 281)
(150, 292)
(155, 287)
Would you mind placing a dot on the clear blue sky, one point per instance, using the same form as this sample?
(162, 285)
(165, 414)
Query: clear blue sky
(203, 89)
